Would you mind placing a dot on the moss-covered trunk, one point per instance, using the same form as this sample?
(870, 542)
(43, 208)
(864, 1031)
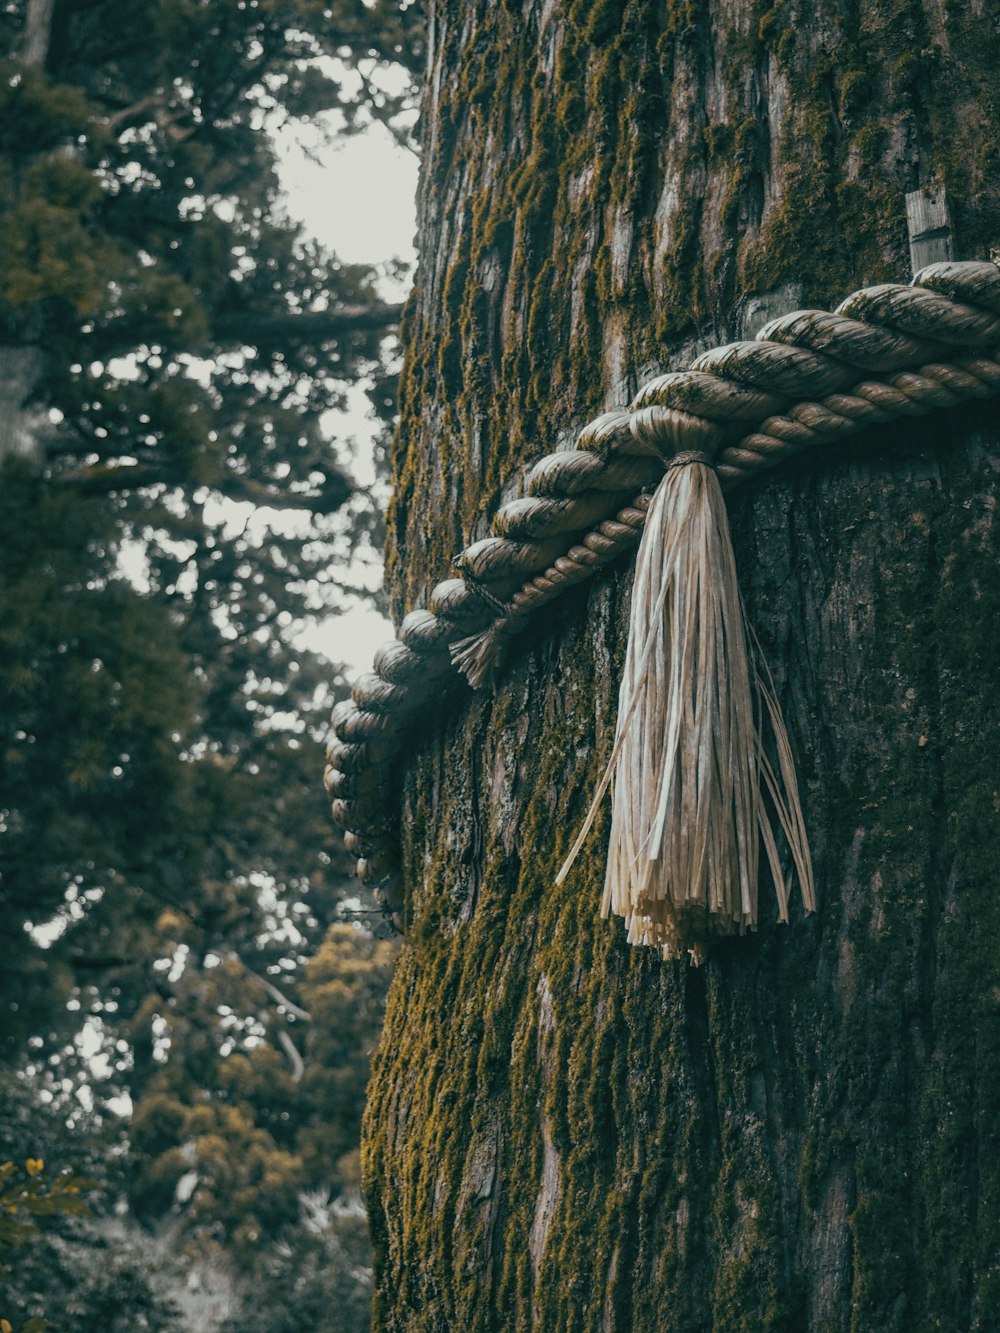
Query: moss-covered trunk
(565, 1133)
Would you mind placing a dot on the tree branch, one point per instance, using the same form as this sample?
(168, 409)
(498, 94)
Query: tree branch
(106, 963)
(306, 326)
(292, 1051)
(129, 114)
(278, 996)
(105, 478)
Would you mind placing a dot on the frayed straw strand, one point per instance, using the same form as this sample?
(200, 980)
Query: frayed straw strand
(478, 656)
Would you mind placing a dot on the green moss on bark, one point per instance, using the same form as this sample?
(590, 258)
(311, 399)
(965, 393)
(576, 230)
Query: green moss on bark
(565, 1133)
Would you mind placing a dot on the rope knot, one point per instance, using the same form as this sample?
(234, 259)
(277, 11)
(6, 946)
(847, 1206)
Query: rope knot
(667, 430)
(687, 456)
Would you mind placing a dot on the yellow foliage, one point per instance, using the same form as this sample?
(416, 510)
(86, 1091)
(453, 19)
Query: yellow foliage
(170, 923)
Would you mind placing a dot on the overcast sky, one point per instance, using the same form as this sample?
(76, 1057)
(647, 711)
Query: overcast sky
(358, 200)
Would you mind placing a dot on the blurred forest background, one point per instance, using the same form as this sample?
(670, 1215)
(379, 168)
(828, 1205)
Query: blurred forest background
(190, 985)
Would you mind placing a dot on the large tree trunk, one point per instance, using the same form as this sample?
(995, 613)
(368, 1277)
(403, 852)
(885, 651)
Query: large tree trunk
(802, 1134)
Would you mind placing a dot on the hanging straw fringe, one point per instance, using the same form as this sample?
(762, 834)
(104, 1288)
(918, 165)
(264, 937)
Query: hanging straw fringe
(686, 768)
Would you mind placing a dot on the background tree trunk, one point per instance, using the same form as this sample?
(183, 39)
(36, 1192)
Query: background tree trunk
(22, 423)
(37, 31)
(563, 1132)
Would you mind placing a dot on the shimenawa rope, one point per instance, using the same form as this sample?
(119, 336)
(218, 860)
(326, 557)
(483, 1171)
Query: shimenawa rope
(809, 378)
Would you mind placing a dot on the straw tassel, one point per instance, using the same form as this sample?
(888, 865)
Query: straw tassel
(477, 655)
(688, 764)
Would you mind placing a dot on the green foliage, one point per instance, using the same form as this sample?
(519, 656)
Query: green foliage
(50, 250)
(93, 691)
(90, 1281)
(192, 342)
(322, 1283)
(39, 113)
(28, 1194)
(72, 1269)
(253, 1123)
(193, 336)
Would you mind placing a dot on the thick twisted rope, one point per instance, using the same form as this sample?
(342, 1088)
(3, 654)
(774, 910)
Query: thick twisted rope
(931, 345)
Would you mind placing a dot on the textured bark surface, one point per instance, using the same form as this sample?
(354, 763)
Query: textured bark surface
(564, 1133)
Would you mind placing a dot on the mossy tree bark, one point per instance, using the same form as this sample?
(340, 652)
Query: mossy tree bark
(565, 1133)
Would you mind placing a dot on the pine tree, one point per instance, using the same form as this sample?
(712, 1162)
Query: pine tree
(168, 342)
(171, 513)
